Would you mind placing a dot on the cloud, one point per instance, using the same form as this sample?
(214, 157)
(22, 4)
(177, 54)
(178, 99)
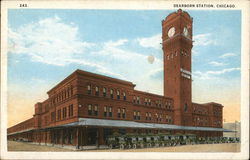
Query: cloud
(214, 63)
(213, 74)
(226, 55)
(150, 42)
(48, 41)
(112, 49)
(120, 42)
(204, 40)
(156, 73)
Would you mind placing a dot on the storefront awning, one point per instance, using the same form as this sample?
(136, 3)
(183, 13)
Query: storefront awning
(132, 124)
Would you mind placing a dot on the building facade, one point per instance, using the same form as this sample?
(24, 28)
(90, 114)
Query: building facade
(85, 108)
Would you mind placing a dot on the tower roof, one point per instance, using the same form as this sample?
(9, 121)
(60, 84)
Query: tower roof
(179, 12)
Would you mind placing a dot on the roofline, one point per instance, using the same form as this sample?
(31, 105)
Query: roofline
(63, 81)
(81, 72)
(21, 122)
(152, 94)
(204, 104)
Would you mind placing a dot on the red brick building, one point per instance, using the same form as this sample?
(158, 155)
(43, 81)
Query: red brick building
(85, 108)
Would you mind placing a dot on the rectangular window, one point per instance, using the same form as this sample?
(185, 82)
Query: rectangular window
(110, 111)
(97, 91)
(146, 101)
(146, 115)
(71, 110)
(138, 115)
(89, 89)
(71, 90)
(134, 115)
(59, 114)
(118, 94)
(123, 113)
(134, 99)
(119, 113)
(156, 115)
(111, 93)
(138, 100)
(96, 110)
(104, 92)
(124, 96)
(90, 109)
(53, 116)
(105, 111)
(150, 116)
(149, 102)
(64, 112)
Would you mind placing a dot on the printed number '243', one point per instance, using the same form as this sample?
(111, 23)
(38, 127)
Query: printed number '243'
(23, 5)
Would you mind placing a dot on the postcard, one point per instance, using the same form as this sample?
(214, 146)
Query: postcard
(127, 79)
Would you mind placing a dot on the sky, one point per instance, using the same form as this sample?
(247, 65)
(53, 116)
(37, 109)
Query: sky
(45, 46)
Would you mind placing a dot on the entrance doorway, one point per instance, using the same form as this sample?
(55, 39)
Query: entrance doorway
(92, 136)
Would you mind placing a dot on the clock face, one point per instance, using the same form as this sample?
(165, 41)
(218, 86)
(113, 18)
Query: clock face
(171, 32)
(185, 31)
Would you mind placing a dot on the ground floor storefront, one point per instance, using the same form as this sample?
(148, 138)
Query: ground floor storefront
(91, 132)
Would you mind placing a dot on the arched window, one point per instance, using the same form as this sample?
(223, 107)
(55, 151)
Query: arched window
(119, 113)
(105, 111)
(104, 92)
(118, 94)
(124, 96)
(112, 93)
(97, 91)
(123, 113)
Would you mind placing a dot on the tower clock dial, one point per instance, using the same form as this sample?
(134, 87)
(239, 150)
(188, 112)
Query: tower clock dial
(185, 31)
(171, 32)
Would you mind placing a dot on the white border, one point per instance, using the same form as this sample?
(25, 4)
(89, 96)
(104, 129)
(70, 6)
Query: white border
(129, 4)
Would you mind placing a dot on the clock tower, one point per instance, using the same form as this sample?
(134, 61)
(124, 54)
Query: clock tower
(177, 45)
